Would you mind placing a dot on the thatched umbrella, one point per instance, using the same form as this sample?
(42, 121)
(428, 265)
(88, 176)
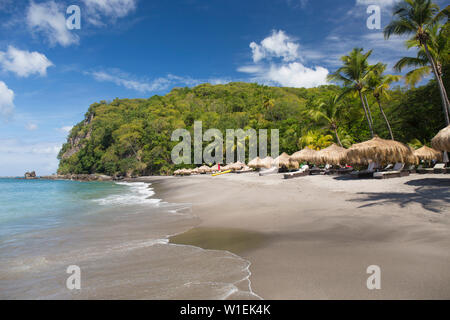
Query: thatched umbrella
(442, 140)
(255, 163)
(380, 151)
(305, 155)
(267, 162)
(237, 166)
(185, 172)
(333, 155)
(428, 154)
(204, 169)
(285, 161)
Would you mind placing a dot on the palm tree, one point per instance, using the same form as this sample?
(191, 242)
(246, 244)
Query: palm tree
(438, 45)
(315, 140)
(379, 84)
(354, 74)
(269, 104)
(417, 18)
(327, 113)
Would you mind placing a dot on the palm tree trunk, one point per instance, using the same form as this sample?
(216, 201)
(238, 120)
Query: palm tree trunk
(445, 103)
(445, 93)
(365, 111)
(385, 118)
(368, 109)
(337, 137)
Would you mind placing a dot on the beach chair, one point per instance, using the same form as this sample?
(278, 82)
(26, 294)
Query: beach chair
(316, 170)
(304, 171)
(368, 173)
(267, 172)
(411, 169)
(245, 170)
(396, 172)
(439, 168)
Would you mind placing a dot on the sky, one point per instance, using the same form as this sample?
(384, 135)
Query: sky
(50, 73)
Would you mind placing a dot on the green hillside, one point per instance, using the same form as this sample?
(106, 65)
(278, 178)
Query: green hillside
(132, 136)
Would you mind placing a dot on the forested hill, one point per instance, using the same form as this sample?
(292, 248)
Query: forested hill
(132, 136)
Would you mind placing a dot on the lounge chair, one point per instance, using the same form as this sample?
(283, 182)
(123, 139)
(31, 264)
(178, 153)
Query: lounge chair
(411, 169)
(267, 172)
(342, 171)
(316, 171)
(439, 168)
(368, 173)
(396, 172)
(304, 171)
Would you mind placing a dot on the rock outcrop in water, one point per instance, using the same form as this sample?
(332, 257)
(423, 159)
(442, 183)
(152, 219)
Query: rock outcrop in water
(30, 175)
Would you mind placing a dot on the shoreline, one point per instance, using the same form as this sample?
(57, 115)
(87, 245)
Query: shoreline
(302, 245)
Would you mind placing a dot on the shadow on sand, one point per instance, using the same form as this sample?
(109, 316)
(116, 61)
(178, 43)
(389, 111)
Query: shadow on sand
(433, 194)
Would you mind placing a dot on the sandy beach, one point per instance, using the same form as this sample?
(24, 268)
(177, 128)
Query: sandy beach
(314, 237)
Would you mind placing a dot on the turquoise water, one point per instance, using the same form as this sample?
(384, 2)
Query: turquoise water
(117, 234)
(28, 205)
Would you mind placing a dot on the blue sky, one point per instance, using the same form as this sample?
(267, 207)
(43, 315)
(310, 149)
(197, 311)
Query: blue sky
(49, 75)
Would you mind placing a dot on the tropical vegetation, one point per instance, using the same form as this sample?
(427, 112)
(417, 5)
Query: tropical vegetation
(133, 136)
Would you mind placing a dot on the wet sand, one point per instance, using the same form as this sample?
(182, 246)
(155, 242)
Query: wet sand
(314, 237)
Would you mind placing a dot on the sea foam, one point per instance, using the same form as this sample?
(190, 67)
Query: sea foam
(139, 193)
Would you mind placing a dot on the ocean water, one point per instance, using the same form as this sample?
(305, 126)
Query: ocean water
(117, 234)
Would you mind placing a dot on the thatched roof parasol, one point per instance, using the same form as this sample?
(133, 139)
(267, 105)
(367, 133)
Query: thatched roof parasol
(237, 166)
(267, 163)
(255, 163)
(285, 161)
(282, 160)
(333, 155)
(306, 154)
(380, 151)
(204, 169)
(428, 154)
(442, 140)
(185, 172)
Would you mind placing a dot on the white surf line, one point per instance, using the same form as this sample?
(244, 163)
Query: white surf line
(249, 273)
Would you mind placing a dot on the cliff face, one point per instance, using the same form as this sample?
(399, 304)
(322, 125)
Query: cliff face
(78, 142)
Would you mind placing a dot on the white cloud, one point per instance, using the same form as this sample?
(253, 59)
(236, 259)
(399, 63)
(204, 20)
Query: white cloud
(123, 80)
(19, 156)
(48, 18)
(293, 74)
(24, 63)
(31, 126)
(297, 75)
(156, 85)
(277, 45)
(15, 146)
(65, 129)
(6, 100)
(108, 8)
(277, 61)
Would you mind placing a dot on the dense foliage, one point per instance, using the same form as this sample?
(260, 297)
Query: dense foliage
(132, 136)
